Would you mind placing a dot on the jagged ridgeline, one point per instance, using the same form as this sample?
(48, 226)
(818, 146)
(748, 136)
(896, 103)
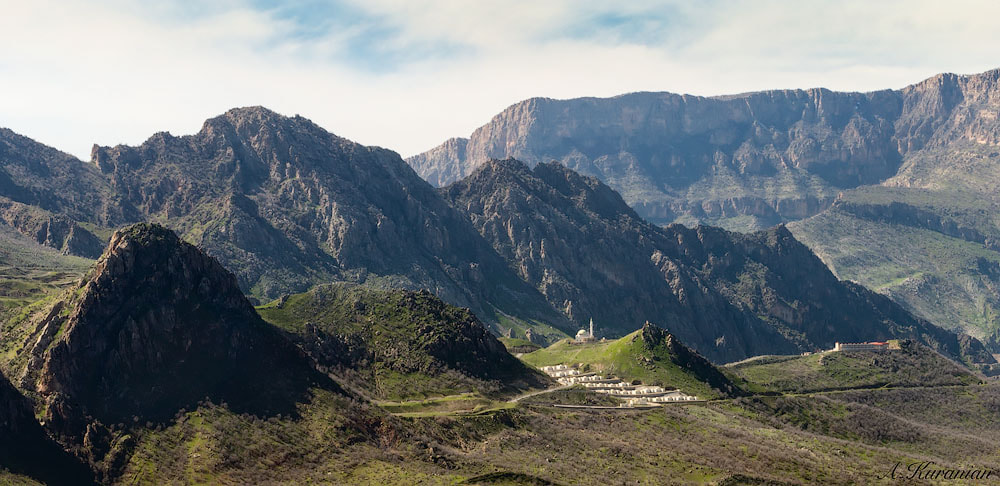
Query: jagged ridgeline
(400, 345)
(729, 295)
(748, 160)
(285, 205)
(280, 202)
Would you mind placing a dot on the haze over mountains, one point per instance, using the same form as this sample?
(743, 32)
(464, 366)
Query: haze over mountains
(899, 184)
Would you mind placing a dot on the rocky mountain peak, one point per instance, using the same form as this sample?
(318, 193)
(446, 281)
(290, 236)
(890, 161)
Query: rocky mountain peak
(158, 326)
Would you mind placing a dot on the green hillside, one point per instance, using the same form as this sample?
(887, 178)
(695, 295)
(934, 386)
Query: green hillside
(950, 281)
(650, 355)
(913, 365)
(400, 345)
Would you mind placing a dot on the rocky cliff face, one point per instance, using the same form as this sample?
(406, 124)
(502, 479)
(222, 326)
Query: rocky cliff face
(770, 156)
(48, 229)
(726, 294)
(37, 175)
(157, 327)
(591, 256)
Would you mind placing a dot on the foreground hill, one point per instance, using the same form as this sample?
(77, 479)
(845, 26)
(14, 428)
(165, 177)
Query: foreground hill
(158, 328)
(400, 345)
(279, 201)
(728, 295)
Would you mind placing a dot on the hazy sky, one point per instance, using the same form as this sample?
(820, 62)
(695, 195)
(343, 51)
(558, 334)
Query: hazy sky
(408, 74)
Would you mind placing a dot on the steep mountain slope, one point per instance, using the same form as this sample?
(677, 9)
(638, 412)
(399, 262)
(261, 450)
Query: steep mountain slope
(651, 355)
(728, 295)
(932, 252)
(592, 257)
(400, 344)
(742, 161)
(153, 299)
(38, 175)
(155, 328)
(26, 450)
(281, 202)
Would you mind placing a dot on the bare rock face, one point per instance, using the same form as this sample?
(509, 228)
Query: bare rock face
(773, 156)
(577, 241)
(728, 295)
(50, 229)
(157, 327)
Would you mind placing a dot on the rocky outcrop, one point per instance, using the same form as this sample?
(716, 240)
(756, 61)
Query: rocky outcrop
(38, 175)
(661, 150)
(157, 327)
(50, 230)
(659, 343)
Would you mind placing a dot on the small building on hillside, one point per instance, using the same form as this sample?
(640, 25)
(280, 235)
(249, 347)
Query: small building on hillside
(870, 346)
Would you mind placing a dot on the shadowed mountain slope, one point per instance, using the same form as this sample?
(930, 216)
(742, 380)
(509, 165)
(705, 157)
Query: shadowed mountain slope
(729, 295)
(901, 183)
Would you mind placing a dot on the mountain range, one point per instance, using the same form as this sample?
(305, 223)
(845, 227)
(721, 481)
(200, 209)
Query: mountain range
(154, 368)
(285, 205)
(279, 201)
(893, 189)
(132, 352)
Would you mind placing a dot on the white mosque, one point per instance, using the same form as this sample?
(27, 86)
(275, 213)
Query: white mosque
(582, 336)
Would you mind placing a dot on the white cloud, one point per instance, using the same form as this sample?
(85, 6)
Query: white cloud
(115, 71)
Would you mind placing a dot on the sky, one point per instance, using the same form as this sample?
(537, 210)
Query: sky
(409, 74)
